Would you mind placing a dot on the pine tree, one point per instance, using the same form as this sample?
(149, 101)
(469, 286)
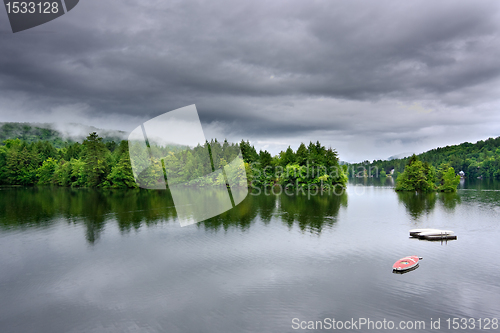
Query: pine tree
(96, 165)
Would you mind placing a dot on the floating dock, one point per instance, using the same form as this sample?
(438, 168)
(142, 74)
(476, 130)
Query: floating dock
(433, 234)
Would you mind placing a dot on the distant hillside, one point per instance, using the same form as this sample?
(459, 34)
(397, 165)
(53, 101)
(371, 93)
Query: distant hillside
(480, 159)
(58, 135)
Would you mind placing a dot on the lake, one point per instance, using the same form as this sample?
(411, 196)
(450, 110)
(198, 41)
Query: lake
(78, 260)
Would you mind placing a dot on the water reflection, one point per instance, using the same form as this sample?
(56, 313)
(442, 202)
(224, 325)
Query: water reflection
(418, 204)
(406, 271)
(42, 207)
(387, 181)
(22, 208)
(309, 213)
(243, 216)
(449, 201)
(479, 184)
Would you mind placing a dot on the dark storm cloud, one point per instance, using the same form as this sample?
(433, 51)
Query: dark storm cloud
(259, 66)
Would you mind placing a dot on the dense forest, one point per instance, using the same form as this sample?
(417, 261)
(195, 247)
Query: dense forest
(95, 163)
(480, 159)
(90, 164)
(40, 156)
(313, 164)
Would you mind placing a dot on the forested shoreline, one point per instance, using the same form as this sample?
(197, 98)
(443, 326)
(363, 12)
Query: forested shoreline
(480, 159)
(98, 164)
(105, 163)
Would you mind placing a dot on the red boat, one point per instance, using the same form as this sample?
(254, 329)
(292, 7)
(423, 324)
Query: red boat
(406, 263)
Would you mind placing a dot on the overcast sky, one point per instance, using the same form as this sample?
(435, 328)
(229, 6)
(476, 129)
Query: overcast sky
(369, 78)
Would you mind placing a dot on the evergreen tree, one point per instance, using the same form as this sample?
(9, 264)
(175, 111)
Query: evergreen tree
(301, 155)
(45, 172)
(417, 176)
(121, 175)
(449, 181)
(94, 156)
(287, 157)
(249, 153)
(3, 164)
(20, 167)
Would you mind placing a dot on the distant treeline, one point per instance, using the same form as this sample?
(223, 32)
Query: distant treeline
(31, 133)
(95, 163)
(480, 159)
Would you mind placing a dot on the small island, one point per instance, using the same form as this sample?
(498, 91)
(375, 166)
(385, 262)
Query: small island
(423, 177)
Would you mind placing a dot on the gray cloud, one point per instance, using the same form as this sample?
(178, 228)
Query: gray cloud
(396, 74)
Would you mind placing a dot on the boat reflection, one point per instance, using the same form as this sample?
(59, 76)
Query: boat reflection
(406, 271)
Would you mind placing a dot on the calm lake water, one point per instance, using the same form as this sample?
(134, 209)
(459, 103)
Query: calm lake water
(118, 261)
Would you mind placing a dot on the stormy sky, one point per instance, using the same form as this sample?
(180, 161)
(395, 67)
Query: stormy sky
(369, 78)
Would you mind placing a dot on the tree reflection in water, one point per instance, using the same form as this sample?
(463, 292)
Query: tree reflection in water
(38, 207)
(309, 212)
(418, 204)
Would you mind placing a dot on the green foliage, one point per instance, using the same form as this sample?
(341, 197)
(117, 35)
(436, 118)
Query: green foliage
(62, 173)
(121, 174)
(315, 164)
(76, 165)
(478, 160)
(421, 177)
(287, 157)
(416, 177)
(21, 165)
(249, 153)
(78, 174)
(301, 154)
(108, 165)
(94, 156)
(72, 151)
(30, 134)
(3, 164)
(449, 181)
(45, 172)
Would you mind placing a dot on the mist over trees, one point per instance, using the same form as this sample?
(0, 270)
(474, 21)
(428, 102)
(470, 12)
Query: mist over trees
(58, 135)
